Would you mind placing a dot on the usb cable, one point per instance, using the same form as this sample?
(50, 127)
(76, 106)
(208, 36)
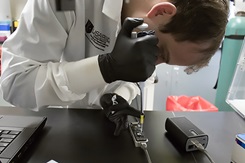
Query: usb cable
(202, 149)
(144, 147)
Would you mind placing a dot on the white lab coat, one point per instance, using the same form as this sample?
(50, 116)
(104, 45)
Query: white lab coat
(51, 59)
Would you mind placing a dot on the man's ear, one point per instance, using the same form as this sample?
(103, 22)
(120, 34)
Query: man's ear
(163, 8)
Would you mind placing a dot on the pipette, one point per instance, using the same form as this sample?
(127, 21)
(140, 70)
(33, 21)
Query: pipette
(141, 85)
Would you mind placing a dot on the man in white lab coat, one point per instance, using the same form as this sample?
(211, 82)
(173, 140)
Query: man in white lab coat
(72, 58)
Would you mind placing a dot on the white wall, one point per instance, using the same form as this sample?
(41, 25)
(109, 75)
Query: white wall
(16, 7)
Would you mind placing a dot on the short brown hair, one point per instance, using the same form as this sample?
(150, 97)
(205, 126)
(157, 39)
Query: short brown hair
(199, 21)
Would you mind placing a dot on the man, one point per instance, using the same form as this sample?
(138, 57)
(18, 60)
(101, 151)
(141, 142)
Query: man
(72, 58)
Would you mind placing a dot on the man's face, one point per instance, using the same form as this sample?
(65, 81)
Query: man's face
(179, 53)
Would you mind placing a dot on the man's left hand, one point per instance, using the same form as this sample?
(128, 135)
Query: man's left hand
(116, 109)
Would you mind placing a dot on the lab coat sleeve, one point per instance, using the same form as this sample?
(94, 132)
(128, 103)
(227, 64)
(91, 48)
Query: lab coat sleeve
(130, 90)
(32, 74)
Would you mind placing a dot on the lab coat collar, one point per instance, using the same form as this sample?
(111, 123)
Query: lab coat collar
(113, 8)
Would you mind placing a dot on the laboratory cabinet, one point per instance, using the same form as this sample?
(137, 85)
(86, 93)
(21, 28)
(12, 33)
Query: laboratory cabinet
(236, 93)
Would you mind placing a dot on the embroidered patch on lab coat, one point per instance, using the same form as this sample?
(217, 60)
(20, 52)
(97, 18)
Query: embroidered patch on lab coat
(97, 38)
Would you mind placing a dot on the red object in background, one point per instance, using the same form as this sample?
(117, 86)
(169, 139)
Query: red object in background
(0, 58)
(192, 103)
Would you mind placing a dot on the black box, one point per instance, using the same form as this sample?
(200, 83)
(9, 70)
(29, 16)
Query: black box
(183, 132)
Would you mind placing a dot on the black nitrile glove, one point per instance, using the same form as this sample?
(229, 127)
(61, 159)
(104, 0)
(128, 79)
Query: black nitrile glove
(116, 109)
(132, 59)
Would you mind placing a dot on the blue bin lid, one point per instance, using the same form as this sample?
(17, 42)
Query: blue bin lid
(4, 27)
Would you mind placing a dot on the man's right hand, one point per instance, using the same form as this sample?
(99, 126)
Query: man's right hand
(132, 59)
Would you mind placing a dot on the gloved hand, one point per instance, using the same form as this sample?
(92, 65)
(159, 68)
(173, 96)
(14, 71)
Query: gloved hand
(131, 59)
(116, 109)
